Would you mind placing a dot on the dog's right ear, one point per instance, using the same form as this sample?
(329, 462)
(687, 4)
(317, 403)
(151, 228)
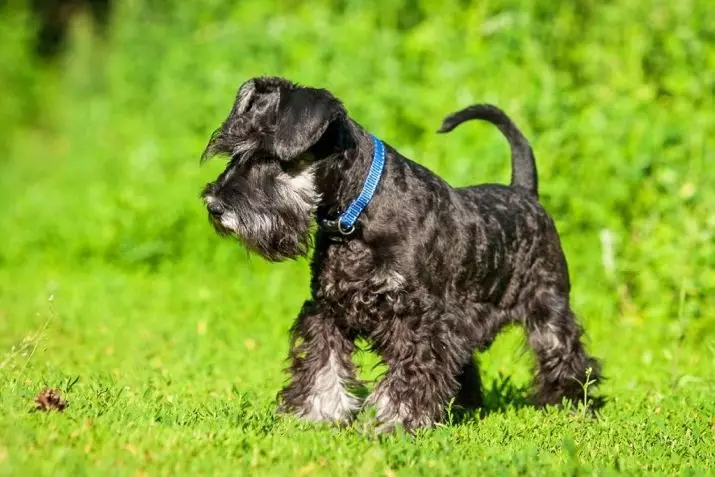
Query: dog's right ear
(274, 114)
(257, 101)
(303, 116)
(251, 118)
(298, 116)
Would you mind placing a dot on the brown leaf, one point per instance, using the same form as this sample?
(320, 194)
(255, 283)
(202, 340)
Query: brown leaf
(50, 400)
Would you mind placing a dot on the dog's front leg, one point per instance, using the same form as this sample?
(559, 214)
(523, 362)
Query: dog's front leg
(423, 365)
(322, 370)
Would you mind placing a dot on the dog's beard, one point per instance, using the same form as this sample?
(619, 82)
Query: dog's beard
(276, 225)
(275, 236)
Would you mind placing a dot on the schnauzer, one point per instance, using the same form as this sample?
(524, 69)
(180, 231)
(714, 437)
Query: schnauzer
(426, 272)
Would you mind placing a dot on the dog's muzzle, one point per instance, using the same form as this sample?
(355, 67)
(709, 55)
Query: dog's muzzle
(215, 208)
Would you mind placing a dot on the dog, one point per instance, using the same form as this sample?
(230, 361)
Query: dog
(426, 272)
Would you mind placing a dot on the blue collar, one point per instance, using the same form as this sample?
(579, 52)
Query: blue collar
(344, 224)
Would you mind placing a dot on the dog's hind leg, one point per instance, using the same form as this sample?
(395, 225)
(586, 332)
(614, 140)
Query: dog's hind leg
(470, 386)
(485, 323)
(563, 364)
(322, 370)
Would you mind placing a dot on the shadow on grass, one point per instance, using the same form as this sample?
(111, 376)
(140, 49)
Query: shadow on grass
(498, 396)
(502, 395)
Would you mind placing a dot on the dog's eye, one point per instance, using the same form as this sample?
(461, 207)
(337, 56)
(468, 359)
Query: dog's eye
(288, 167)
(297, 164)
(293, 167)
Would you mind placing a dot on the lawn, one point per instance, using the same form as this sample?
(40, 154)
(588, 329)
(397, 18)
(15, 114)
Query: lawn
(168, 342)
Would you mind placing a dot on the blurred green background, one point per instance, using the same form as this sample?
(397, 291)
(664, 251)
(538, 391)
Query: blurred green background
(99, 181)
(99, 153)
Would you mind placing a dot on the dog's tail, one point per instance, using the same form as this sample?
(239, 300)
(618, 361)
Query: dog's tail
(523, 166)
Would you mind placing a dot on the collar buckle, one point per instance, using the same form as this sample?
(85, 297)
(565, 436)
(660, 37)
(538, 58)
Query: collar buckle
(336, 230)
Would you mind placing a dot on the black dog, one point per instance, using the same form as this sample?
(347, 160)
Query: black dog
(426, 272)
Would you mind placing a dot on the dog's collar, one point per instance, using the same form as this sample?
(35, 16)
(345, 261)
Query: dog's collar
(344, 223)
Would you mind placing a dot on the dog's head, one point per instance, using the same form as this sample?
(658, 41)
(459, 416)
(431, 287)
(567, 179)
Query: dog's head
(273, 136)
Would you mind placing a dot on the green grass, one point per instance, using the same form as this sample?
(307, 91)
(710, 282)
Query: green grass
(169, 343)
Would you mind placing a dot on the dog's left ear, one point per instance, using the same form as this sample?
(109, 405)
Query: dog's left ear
(303, 116)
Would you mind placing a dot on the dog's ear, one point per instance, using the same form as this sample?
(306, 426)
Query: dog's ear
(303, 116)
(276, 115)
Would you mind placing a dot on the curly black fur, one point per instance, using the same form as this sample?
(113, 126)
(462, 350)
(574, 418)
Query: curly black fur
(431, 274)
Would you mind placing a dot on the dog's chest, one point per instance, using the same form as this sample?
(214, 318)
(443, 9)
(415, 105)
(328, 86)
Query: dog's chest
(358, 289)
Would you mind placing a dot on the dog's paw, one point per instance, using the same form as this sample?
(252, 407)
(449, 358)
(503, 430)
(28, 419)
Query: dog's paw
(339, 408)
(392, 416)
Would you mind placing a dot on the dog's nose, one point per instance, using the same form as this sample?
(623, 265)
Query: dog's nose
(215, 209)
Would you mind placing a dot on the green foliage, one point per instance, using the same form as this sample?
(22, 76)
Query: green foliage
(178, 337)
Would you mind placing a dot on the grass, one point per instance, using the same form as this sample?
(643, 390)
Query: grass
(169, 343)
(177, 374)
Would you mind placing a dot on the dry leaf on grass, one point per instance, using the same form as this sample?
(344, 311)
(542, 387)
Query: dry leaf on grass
(50, 400)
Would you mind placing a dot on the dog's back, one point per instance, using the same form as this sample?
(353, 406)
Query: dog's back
(521, 233)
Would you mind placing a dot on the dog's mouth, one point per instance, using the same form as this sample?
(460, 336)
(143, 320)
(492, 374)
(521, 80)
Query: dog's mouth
(221, 227)
(262, 234)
